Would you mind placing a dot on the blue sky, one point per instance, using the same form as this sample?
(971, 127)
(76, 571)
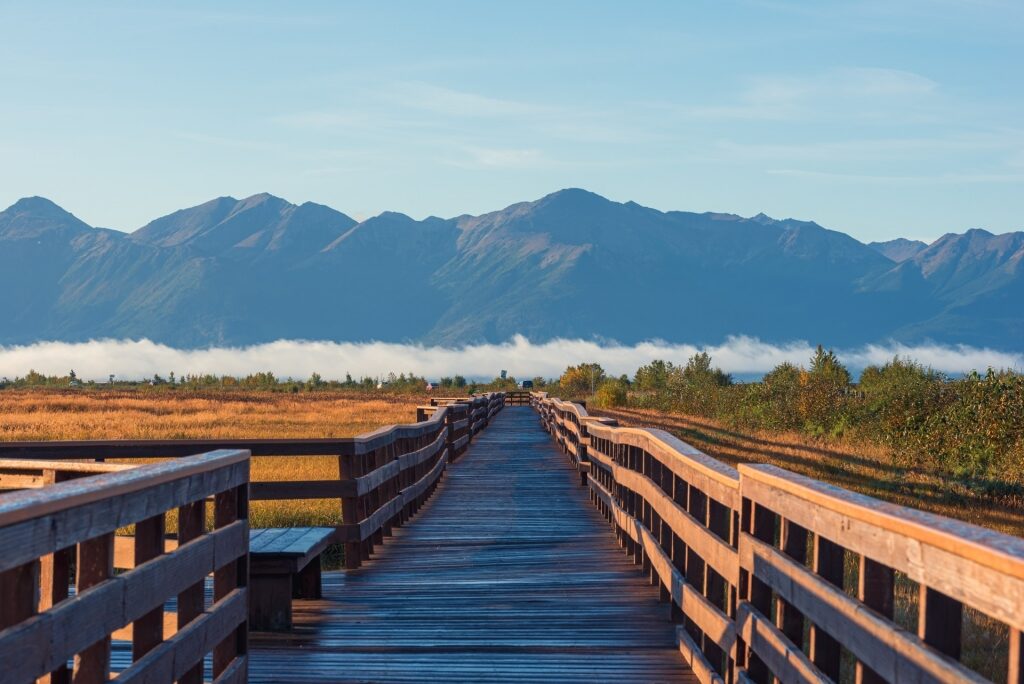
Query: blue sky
(880, 119)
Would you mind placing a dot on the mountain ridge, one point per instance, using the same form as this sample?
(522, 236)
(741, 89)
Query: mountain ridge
(569, 264)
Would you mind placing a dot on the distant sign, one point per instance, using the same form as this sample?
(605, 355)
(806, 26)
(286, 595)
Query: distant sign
(504, 374)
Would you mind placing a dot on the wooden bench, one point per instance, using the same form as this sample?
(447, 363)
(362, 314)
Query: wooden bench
(284, 563)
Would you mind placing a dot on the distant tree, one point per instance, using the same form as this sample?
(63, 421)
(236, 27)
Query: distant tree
(822, 390)
(699, 372)
(612, 393)
(654, 376)
(581, 380)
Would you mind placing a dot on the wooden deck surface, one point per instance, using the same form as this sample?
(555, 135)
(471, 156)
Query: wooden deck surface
(507, 574)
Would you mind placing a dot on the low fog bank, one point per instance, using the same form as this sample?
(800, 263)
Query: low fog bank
(743, 356)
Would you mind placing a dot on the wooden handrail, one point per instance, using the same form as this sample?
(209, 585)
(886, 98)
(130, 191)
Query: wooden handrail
(376, 470)
(751, 559)
(45, 532)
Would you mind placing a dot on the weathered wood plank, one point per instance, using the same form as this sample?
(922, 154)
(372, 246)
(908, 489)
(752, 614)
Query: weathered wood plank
(785, 660)
(506, 574)
(33, 522)
(114, 602)
(177, 655)
(934, 551)
(895, 654)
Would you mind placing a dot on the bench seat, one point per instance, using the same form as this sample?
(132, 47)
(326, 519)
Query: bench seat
(284, 563)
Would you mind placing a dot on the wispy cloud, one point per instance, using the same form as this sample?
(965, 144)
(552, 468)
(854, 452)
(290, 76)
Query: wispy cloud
(938, 179)
(138, 359)
(870, 149)
(854, 91)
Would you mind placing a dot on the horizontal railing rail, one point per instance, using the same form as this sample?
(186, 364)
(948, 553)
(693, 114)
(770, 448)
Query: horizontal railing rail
(384, 476)
(60, 599)
(756, 562)
(518, 398)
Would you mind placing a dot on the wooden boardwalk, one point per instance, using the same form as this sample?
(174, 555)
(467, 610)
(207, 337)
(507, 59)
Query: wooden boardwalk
(508, 574)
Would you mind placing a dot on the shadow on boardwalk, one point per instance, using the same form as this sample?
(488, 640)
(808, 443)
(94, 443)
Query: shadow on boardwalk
(508, 574)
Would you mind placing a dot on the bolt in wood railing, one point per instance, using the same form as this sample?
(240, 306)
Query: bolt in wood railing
(754, 563)
(48, 617)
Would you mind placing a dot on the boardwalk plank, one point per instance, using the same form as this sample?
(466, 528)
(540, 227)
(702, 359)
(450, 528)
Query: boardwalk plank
(507, 574)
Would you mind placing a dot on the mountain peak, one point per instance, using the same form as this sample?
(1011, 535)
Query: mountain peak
(574, 197)
(261, 198)
(763, 218)
(31, 217)
(900, 249)
(34, 203)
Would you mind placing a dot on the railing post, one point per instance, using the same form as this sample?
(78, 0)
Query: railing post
(449, 429)
(95, 565)
(828, 564)
(875, 588)
(1015, 673)
(350, 512)
(191, 523)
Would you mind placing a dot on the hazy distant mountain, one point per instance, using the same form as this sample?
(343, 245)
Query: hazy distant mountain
(571, 264)
(899, 249)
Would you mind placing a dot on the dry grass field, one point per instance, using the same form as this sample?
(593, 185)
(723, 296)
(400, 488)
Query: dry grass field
(30, 415)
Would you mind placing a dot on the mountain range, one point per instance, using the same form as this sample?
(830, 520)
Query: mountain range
(572, 264)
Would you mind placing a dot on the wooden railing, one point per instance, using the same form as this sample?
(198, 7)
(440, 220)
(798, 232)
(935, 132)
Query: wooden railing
(775, 575)
(518, 398)
(384, 476)
(48, 534)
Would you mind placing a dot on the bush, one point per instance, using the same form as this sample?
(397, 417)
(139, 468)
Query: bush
(582, 380)
(823, 390)
(611, 393)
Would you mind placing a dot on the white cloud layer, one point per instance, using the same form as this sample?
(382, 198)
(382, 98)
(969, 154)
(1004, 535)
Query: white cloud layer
(745, 356)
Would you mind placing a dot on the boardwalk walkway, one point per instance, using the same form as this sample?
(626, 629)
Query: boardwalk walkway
(508, 574)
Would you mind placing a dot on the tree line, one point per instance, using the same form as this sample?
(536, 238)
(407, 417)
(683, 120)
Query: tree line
(969, 427)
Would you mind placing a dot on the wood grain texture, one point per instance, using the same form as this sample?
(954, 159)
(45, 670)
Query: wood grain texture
(507, 574)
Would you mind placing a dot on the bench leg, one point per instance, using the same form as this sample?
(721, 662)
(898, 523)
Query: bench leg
(270, 603)
(306, 584)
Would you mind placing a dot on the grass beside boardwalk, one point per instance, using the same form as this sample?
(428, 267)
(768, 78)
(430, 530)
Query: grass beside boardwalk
(862, 467)
(868, 469)
(43, 415)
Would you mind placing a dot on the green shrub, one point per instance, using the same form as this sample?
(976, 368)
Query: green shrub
(970, 428)
(611, 393)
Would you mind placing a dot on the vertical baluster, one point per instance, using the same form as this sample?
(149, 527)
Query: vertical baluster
(148, 630)
(1015, 673)
(789, 619)
(760, 523)
(54, 581)
(191, 524)
(225, 578)
(95, 565)
(828, 563)
(939, 621)
(349, 511)
(875, 589)
(715, 586)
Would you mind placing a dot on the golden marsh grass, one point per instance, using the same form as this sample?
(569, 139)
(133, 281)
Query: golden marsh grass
(43, 415)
